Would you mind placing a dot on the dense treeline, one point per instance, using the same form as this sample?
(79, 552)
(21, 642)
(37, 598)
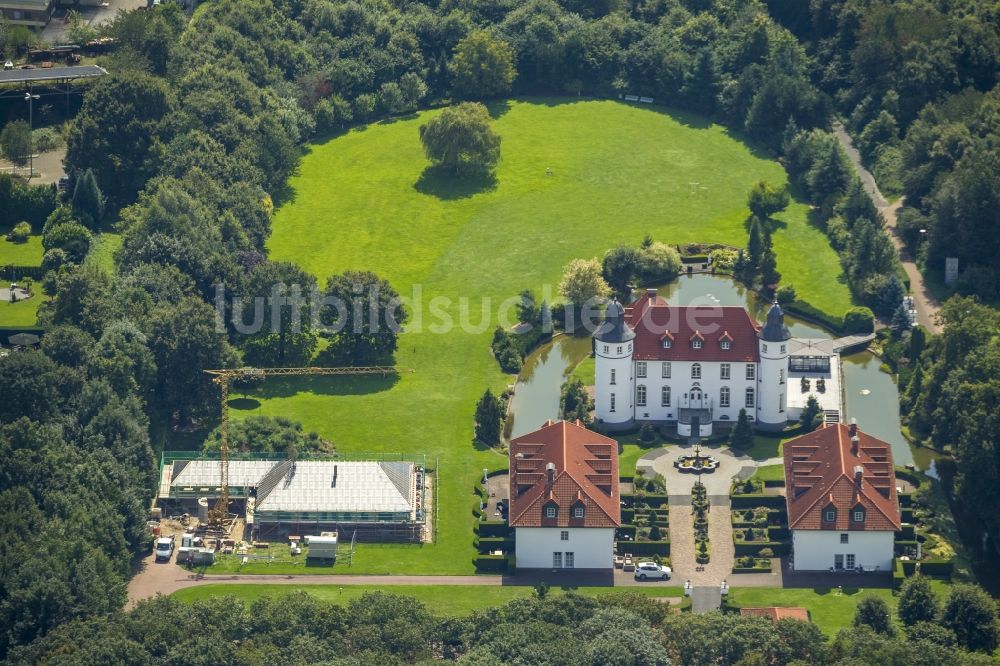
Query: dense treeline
(381, 628)
(916, 82)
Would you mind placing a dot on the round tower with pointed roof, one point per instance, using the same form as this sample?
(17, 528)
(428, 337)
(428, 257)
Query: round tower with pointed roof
(614, 384)
(772, 375)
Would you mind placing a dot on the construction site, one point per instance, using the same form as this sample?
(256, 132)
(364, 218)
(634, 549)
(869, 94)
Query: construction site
(236, 502)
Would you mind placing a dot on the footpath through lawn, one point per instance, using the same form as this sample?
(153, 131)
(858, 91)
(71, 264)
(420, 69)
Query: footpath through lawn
(362, 201)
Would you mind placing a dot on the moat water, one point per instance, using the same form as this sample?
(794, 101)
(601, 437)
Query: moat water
(871, 395)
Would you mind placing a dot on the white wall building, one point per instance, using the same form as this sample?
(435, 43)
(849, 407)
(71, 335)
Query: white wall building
(843, 510)
(564, 499)
(692, 366)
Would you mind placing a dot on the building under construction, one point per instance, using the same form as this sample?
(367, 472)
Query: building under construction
(370, 500)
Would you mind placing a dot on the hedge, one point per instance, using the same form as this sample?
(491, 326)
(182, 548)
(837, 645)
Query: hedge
(906, 533)
(626, 529)
(810, 313)
(942, 568)
(752, 570)
(907, 475)
(752, 501)
(901, 545)
(753, 547)
(493, 528)
(487, 544)
(491, 563)
(902, 569)
(654, 501)
(906, 515)
(905, 499)
(778, 533)
(628, 515)
(661, 548)
(898, 576)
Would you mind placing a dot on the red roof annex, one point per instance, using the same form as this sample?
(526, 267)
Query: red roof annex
(722, 333)
(837, 472)
(566, 466)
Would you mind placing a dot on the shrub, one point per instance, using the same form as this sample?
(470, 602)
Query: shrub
(20, 233)
(786, 294)
(723, 260)
(647, 433)
(72, 237)
(766, 552)
(658, 261)
(859, 320)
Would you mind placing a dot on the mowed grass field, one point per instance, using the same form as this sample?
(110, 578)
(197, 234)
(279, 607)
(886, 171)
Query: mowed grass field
(442, 600)
(359, 201)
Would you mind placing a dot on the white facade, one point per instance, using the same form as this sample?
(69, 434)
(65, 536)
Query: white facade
(772, 381)
(614, 393)
(822, 550)
(565, 547)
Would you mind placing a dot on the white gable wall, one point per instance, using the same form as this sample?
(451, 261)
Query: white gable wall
(592, 547)
(815, 550)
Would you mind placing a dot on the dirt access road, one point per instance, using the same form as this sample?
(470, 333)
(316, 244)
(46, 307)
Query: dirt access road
(926, 304)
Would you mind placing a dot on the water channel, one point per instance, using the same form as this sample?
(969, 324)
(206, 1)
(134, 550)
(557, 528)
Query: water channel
(871, 395)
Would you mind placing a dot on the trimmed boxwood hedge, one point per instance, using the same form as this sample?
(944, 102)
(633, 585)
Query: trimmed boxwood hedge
(654, 501)
(779, 548)
(661, 548)
(626, 529)
(906, 533)
(943, 568)
(491, 563)
(752, 501)
(486, 544)
(906, 515)
(752, 570)
(628, 515)
(493, 528)
(778, 533)
(810, 313)
(905, 499)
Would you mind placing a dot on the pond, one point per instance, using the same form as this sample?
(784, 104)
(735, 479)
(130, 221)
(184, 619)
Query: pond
(871, 395)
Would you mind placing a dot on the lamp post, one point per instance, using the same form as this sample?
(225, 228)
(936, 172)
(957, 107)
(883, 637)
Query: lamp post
(31, 133)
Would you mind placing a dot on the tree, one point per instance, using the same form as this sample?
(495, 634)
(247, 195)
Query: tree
(917, 602)
(15, 142)
(363, 318)
(900, 320)
(765, 200)
(88, 202)
(274, 316)
(489, 419)
(786, 294)
(811, 415)
(618, 268)
(972, 615)
(461, 140)
(769, 274)
(71, 237)
(701, 83)
(527, 308)
(658, 261)
(269, 434)
(574, 402)
(413, 88)
(741, 436)
(755, 243)
(391, 98)
(829, 175)
(873, 612)
(482, 66)
(134, 105)
(582, 282)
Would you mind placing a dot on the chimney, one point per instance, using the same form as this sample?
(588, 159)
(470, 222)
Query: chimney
(853, 428)
(334, 484)
(855, 444)
(858, 472)
(651, 293)
(550, 471)
(548, 423)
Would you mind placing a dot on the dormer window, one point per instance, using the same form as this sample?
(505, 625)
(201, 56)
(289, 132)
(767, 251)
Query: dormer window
(667, 344)
(696, 344)
(726, 344)
(725, 340)
(578, 512)
(858, 515)
(550, 511)
(829, 515)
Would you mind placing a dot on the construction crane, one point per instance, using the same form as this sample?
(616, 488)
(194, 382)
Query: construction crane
(218, 513)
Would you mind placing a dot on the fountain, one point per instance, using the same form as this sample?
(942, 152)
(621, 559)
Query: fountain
(698, 464)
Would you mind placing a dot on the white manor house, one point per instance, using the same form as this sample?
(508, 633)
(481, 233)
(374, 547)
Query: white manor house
(695, 366)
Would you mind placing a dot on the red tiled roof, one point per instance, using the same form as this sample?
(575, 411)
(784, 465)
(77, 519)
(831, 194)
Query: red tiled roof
(774, 613)
(585, 473)
(652, 319)
(820, 473)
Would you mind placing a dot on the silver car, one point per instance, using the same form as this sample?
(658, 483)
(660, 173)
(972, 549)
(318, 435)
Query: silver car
(652, 571)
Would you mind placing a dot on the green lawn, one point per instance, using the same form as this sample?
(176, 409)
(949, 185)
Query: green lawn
(102, 251)
(440, 599)
(360, 202)
(830, 609)
(770, 473)
(23, 314)
(584, 371)
(28, 253)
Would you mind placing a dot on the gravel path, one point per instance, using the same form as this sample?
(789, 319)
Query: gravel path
(926, 304)
(682, 549)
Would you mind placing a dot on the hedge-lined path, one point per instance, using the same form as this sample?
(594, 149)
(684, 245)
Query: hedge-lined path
(682, 548)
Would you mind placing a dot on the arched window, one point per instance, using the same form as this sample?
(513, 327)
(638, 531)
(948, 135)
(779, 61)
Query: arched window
(665, 396)
(724, 397)
(696, 371)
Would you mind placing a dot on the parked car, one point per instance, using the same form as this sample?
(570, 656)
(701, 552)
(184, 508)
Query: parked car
(164, 548)
(652, 571)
